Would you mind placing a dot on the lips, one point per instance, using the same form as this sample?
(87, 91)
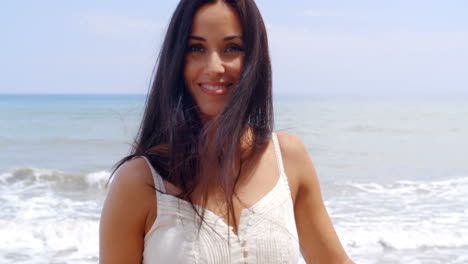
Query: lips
(215, 88)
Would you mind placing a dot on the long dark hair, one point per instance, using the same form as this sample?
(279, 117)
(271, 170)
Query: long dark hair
(172, 135)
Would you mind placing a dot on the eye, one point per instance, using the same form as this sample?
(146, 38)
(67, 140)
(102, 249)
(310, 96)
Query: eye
(234, 48)
(195, 48)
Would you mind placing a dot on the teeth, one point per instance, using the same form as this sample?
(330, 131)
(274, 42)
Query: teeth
(213, 88)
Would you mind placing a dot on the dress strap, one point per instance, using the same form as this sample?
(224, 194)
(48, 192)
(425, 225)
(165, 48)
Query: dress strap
(279, 158)
(158, 182)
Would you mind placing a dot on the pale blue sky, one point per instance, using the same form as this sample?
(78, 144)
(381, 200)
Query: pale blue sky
(330, 47)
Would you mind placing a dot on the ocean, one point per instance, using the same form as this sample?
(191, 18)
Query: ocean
(393, 172)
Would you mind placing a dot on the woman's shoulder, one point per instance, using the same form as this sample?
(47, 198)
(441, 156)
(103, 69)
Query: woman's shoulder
(289, 141)
(133, 176)
(136, 171)
(131, 192)
(124, 215)
(292, 147)
(296, 159)
(134, 179)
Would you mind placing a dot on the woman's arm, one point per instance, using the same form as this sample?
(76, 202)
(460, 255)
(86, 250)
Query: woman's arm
(123, 218)
(319, 241)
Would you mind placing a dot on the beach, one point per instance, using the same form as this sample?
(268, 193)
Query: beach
(393, 172)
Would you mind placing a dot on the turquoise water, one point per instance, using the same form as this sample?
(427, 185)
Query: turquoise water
(76, 133)
(393, 172)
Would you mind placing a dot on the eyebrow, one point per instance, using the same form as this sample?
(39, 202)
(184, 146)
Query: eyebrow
(225, 39)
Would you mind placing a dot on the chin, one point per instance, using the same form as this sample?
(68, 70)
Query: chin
(211, 112)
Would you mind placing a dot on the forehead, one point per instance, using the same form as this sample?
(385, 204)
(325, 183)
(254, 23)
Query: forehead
(217, 17)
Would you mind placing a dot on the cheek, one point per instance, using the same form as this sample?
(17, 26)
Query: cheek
(189, 72)
(236, 67)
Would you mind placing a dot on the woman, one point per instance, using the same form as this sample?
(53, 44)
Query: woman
(201, 184)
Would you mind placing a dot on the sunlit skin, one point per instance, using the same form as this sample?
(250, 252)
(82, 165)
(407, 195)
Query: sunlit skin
(214, 57)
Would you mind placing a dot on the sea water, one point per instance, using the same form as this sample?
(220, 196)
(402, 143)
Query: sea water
(393, 172)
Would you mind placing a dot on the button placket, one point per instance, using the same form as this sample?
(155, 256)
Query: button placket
(243, 245)
(250, 221)
(243, 242)
(245, 251)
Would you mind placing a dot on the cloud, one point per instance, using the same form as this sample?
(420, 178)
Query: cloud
(113, 25)
(327, 14)
(435, 60)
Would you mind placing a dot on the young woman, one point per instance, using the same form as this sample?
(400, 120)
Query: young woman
(208, 181)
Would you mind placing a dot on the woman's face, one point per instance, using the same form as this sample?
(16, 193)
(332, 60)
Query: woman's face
(214, 57)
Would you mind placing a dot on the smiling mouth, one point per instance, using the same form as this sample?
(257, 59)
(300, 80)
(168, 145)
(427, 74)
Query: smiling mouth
(215, 88)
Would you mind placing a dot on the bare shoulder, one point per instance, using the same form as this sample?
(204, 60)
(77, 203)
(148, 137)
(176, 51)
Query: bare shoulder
(320, 243)
(123, 220)
(135, 171)
(296, 160)
(132, 187)
(290, 143)
(132, 179)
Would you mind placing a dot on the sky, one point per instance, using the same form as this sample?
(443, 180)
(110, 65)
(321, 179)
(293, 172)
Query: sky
(404, 47)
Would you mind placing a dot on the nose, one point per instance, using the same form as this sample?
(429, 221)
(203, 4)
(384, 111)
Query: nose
(215, 64)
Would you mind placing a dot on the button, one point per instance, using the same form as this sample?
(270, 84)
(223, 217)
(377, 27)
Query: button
(243, 243)
(246, 253)
(250, 222)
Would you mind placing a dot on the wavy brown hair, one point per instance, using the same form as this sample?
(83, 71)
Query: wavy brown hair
(196, 156)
